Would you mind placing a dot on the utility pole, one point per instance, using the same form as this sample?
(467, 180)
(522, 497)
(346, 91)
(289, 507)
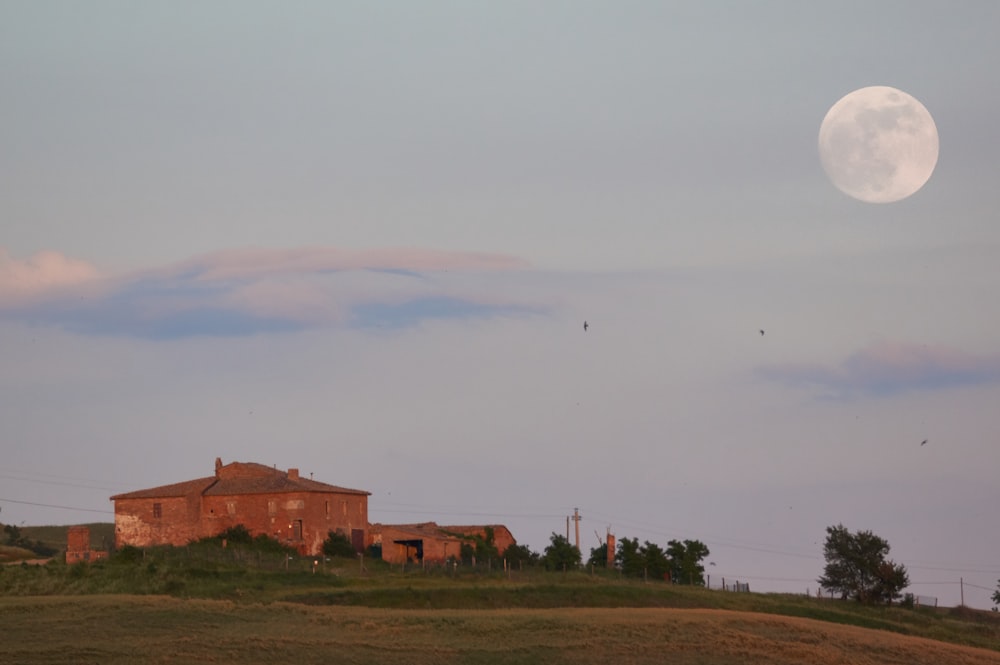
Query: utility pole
(961, 590)
(576, 518)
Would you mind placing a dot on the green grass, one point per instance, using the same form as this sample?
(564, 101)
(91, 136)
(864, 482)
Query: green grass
(245, 576)
(102, 535)
(158, 629)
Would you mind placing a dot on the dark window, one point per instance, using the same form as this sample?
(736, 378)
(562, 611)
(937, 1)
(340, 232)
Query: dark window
(157, 510)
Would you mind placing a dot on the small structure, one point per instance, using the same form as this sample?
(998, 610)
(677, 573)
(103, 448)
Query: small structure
(78, 546)
(299, 512)
(427, 542)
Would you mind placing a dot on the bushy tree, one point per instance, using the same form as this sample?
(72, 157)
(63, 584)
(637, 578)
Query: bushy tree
(996, 596)
(657, 565)
(857, 567)
(598, 556)
(338, 544)
(560, 554)
(685, 561)
(647, 560)
(520, 555)
(629, 558)
(236, 535)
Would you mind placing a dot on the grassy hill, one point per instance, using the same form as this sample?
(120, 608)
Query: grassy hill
(247, 576)
(128, 629)
(206, 603)
(102, 535)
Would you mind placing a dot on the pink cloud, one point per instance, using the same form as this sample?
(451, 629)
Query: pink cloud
(42, 273)
(243, 291)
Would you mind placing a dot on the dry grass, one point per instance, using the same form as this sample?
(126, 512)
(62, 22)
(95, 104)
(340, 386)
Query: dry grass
(125, 629)
(11, 554)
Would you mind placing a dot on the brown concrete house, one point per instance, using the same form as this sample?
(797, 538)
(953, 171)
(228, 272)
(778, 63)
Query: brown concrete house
(428, 542)
(297, 511)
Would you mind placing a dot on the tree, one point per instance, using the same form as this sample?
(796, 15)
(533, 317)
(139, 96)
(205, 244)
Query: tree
(857, 567)
(520, 555)
(655, 560)
(685, 561)
(598, 556)
(338, 544)
(629, 558)
(996, 596)
(560, 554)
(647, 560)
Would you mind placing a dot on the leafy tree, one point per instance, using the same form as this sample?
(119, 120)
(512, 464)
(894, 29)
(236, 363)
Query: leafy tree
(996, 596)
(338, 544)
(629, 558)
(857, 567)
(685, 561)
(520, 555)
(655, 559)
(647, 560)
(598, 556)
(560, 554)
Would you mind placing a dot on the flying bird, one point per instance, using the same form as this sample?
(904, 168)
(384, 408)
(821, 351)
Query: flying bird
(924, 442)
(585, 326)
(761, 333)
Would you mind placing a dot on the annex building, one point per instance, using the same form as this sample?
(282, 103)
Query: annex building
(296, 511)
(427, 542)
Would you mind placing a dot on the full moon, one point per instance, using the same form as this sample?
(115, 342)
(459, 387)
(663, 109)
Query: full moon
(878, 144)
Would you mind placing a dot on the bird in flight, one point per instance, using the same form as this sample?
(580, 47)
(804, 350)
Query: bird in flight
(924, 442)
(761, 333)
(585, 326)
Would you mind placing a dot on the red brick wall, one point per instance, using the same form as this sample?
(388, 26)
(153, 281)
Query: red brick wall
(77, 539)
(183, 519)
(276, 515)
(137, 523)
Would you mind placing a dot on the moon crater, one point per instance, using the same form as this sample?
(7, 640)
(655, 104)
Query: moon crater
(878, 144)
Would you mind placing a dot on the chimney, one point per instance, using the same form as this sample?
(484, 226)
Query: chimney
(218, 466)
(293, 474)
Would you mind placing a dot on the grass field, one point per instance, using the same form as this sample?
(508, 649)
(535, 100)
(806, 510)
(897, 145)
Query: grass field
(206, 603)
(154, 629)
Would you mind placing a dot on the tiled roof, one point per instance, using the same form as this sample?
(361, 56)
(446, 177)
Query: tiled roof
(252, 478)
(177, 489)
(277, 483)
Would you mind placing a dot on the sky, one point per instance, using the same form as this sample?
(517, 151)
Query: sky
(361, 239)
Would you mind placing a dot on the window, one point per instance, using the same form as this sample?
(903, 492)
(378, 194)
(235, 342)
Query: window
(272, 507)
(327, 508)
(231, 507)
(157, 511)
(343, 505)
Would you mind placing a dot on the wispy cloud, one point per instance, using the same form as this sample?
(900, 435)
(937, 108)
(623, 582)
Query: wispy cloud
(43, 273)
(248, 291)
(889, 368)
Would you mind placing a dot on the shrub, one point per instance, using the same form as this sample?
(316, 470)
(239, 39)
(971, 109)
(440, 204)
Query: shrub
(338, 544)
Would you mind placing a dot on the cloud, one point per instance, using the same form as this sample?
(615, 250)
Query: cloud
(44, 272)
(890, 368)
(249, 291)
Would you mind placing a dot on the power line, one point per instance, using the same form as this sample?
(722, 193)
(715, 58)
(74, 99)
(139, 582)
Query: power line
(49, 505)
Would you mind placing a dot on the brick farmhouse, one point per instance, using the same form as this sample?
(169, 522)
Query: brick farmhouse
(429, 543)
(296, 511)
